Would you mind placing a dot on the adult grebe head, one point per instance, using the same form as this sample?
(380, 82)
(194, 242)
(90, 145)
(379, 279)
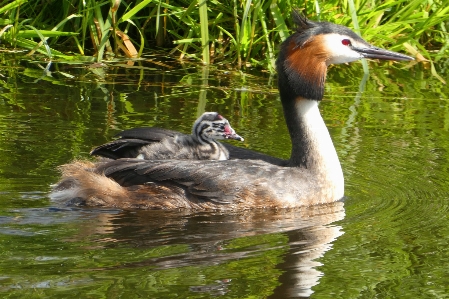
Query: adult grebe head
(306, 54)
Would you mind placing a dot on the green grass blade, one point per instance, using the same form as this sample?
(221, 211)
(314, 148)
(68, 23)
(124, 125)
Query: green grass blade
(5, 29)
(204, 31)
(134, 11)
(187, 41)
(244, 21)
(44, 33)
(60, 24)
(12, 5)
(47, 48)
(105, 25)
(271, 56)
(278, 18)
(355, 22)
(29, 44)
(5, 22)
(229, 34)
(142, 38)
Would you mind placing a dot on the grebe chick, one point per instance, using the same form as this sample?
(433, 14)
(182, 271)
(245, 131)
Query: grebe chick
(312, 174)
(160, 144)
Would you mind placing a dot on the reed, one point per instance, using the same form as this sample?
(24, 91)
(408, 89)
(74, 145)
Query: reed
(241, 33)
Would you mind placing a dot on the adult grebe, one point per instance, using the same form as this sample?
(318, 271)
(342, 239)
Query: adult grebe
(312, 175)
(160, 144)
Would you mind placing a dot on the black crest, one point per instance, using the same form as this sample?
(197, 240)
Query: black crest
(306, 29)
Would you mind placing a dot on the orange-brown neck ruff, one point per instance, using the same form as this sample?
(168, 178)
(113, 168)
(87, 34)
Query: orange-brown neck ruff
(306, 67)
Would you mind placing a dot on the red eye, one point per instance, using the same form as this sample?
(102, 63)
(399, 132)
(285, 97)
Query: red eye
(346, 42)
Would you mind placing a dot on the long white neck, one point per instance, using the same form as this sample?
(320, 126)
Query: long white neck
(316, 149)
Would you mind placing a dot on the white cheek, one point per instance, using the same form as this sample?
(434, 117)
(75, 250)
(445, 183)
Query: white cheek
(344, 57)
(339, 53)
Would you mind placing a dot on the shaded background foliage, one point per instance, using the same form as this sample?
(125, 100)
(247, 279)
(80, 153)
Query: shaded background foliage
(244, 33)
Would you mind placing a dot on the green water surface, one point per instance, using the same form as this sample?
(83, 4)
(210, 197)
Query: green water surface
(388, 239)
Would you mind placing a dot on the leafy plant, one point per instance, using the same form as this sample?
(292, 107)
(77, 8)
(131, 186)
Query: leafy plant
(243, 33)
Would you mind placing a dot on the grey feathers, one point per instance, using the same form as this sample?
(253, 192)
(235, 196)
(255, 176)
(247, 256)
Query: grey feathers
(161, 144)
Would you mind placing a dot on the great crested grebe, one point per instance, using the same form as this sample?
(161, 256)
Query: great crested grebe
(312, 175)
(160, 144)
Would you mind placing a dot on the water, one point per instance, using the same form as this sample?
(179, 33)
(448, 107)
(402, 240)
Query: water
(388, 239)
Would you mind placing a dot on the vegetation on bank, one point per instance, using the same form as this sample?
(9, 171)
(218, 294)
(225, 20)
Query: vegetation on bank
(244, 33)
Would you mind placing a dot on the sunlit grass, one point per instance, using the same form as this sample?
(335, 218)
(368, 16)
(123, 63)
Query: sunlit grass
(242, 33)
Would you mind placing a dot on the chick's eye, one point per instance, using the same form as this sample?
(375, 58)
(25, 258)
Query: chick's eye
(346, 42)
